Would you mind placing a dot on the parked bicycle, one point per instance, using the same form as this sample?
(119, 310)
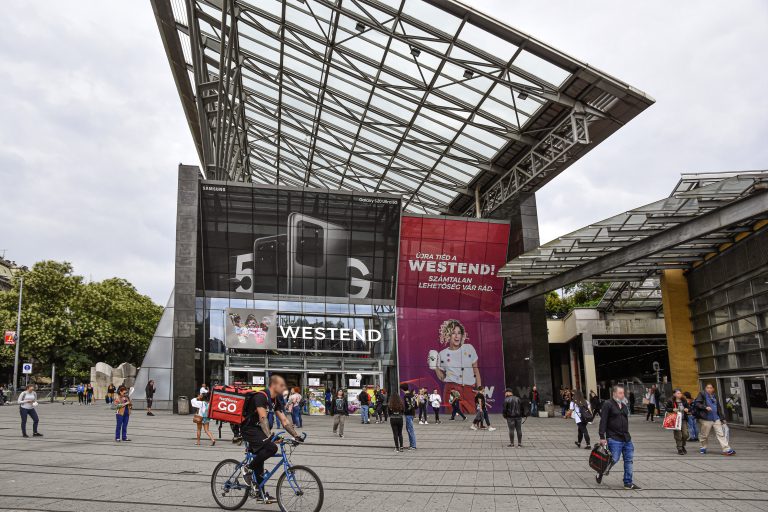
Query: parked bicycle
(298, 489)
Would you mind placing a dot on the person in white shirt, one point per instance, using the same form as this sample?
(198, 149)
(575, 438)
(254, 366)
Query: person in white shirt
(27, 403)
(456, 365)
(201, 418)
(435, 400)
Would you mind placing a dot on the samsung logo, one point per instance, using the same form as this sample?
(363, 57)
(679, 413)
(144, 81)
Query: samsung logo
(209, 188)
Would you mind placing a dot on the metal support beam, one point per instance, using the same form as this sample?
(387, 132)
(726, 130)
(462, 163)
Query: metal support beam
(739, 211)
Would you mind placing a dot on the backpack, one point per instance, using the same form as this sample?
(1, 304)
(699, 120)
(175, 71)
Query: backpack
(586, 415)
(410, 403)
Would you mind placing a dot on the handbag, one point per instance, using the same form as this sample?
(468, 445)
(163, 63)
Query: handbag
(673, 421)
(197, 419)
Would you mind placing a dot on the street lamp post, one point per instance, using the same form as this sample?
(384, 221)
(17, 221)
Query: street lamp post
(18, 338)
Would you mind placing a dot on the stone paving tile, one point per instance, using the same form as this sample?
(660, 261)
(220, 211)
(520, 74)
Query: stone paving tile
(77, 467)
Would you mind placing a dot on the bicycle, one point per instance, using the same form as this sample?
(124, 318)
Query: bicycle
(298, 489)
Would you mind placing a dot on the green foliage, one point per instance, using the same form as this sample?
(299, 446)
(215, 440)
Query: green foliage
(76, 324)
(579, 295)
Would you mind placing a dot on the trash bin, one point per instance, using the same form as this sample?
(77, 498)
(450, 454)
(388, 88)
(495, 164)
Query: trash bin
(549, 407)
(183, 405)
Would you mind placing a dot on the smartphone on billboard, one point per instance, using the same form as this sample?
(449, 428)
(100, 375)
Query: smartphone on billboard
(317, 257)
(270, 264)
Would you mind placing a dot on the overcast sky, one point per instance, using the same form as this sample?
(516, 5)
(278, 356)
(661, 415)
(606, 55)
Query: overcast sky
(92, 129)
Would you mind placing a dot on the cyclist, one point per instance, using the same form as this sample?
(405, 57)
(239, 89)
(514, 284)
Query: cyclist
(257, 433)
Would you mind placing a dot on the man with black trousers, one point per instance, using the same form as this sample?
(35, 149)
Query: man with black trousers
(257, 432)
(513, 412)
(614, 432)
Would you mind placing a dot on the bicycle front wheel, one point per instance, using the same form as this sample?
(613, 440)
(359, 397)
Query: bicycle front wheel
(299, 490)
(228, 487)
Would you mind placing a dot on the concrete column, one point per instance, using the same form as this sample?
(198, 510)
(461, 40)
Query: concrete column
(677, 320)
(590, 371)
(184, 287)
(524, 325)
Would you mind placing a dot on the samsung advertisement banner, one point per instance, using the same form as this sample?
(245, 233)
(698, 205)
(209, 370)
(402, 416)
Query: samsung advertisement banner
(299, 244)
(448, 307)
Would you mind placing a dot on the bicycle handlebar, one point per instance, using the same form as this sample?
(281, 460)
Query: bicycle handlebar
(294, 441)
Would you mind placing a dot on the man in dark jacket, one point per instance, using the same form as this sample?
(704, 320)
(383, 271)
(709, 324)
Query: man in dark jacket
(534, 398)
(710, 415)
(409, 409)
(513, 412)
(614, 432)
(340, 411)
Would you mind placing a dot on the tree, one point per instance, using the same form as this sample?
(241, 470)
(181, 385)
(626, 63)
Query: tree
(72, 324)
(579, 295)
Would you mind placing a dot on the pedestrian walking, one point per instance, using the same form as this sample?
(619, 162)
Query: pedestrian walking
(150, 395)
(201, 419)
(534, 398)
(582, 414)
(328, 399)
(651, 400)
(365, 406)
(27, 408)
(710, 415)
(81, 394)
(477, 423)
(435, 400)
(385, 405)
(409, 409)
(614, 432)
(396, 410)
(340, 411)
(110, 397)
(423, 400)
(487, 405)
(679, 404)
(595, 404)
(88, 394)
(513, 413)
(693, 429)
(455, 400)
(296, 402)
(379, 404)
(123, 407)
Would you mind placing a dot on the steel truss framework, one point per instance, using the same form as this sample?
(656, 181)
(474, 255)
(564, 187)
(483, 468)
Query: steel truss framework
(629, 342)
(427, 99)
(705, 213)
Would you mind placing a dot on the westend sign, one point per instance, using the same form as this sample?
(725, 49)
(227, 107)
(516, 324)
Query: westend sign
(330, 333)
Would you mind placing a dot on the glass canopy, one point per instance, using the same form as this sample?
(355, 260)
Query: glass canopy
(646, 231)
(428, 99)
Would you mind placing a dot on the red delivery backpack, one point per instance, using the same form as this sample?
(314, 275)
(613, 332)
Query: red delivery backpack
(227, 403)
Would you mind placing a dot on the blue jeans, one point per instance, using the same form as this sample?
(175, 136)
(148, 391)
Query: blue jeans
(411, 432)
(122, 426)
(534, 409)
(626, 449)
(364, 413)
(693, 428)
(296, 415)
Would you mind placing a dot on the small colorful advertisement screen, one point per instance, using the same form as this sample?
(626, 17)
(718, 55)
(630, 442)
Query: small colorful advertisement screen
(448, 308)
(251, 329)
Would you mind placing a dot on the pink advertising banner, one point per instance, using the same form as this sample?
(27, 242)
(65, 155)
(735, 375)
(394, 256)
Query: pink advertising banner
(448, 307)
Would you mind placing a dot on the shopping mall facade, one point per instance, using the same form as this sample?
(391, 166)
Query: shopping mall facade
(365, 198)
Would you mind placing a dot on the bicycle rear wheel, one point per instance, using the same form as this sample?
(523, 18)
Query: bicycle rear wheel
(299, 490)
(227, 485)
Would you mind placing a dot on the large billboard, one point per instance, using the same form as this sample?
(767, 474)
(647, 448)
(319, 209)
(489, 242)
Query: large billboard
(448, 306)
(298, 244)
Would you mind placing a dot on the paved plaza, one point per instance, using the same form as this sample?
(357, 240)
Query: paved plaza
(78, 467)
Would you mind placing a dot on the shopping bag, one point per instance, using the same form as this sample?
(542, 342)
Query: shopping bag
(600, 459)
(727, 433)
(673, 421)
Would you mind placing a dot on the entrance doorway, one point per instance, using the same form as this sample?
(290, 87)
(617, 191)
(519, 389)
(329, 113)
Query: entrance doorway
(757, 401)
